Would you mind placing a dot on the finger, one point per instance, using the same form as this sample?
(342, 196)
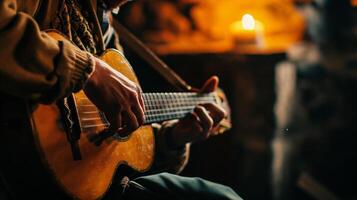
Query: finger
(191, 117)
(205, 120)
(195, 122)
(114, 119)
(193, 89)
(210, 85)
(139, 109)
(217, 113)
(192, 120)
(129, 121)
(139, 114)
(141, 100)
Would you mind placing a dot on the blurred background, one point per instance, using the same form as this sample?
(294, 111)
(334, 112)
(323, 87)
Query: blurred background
(287, 68)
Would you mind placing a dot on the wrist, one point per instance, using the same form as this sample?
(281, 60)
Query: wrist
(93, 64)
(82, 66)
(95, 74)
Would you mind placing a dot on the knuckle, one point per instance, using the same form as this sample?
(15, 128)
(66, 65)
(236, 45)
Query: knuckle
(138, 89)
(210, 122)
(222, 112)
(223, 115)
(219, 116)
(134, 94)
(199, 108)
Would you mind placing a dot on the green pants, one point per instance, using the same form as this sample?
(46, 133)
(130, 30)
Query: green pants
(165, 186)
(173, 187)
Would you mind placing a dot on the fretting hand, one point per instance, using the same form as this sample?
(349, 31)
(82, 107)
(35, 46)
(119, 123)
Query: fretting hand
(119, 98)
(201, 123)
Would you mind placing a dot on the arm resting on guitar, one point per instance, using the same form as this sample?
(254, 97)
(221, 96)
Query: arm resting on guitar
(32, 64)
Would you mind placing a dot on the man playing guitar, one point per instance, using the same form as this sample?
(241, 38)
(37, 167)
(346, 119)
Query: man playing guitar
(42, 70)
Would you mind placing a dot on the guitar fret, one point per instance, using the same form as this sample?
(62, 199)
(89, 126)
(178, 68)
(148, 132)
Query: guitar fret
(169, 110)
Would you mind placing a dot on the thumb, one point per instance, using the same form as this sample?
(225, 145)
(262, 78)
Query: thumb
(210, 85)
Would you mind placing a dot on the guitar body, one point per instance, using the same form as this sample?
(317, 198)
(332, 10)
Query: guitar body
(49, 166)
(66, 151)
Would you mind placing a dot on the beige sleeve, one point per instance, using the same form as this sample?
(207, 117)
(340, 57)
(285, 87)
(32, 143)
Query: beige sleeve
(167, 159)
(32, 64)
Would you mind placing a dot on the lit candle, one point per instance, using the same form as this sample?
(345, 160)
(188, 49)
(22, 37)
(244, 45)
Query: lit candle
(247, 30)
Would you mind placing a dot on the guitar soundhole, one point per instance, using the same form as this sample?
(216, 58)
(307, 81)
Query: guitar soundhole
(117, 136)
(105, 135)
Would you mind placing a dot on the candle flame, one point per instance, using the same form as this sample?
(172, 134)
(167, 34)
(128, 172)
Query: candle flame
(248, 22)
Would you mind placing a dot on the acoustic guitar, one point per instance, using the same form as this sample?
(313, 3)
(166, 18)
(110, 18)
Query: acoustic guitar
(65, 151)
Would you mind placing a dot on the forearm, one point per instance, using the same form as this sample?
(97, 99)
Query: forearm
(32, 64)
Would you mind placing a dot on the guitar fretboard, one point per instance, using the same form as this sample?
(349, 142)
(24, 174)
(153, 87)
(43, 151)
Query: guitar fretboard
(158, 107)
(165, 106)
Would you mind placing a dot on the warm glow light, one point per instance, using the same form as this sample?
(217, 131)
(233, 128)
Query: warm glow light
(354, 3)
(248, 22)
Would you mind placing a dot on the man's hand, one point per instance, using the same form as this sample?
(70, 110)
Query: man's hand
(118, 97)
(200, 124)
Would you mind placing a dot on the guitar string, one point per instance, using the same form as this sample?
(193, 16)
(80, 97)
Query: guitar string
(174, 94)
(156, 101)
(169, 95)
(147, 116)
(92, 109)
(155, 118)
(165, 100)
(150, 112)
(149, 119)
(152, 116)
(152, 104)
(157, 107)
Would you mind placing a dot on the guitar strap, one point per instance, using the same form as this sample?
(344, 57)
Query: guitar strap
(150, 57)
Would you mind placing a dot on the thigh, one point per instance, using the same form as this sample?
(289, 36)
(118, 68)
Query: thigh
(170, 186)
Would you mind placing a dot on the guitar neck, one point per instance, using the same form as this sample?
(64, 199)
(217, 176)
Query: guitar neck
(165, 106)
(158, 107)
